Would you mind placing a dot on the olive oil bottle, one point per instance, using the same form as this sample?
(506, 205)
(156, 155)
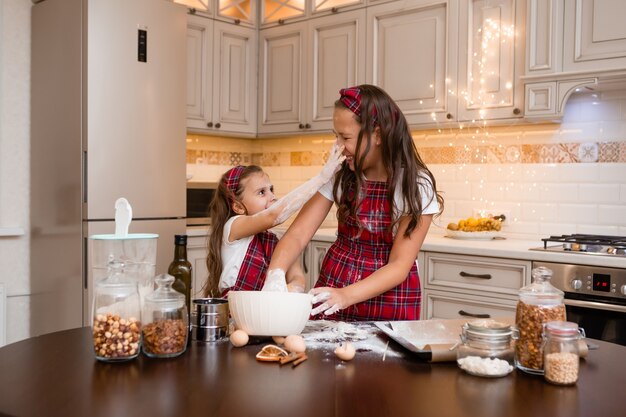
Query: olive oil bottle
(180, 269)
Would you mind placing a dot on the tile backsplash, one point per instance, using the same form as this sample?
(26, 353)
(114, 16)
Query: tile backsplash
(548, 178)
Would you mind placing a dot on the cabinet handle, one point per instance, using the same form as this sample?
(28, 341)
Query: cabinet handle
(307, 126)
(301, 126)
(449, 116)
(237, 21)
(476, 315)
(281, 21)
(516, 111)
(192, 11)
(334, 10)
(468, 275)
(218, 125)
(210, 124)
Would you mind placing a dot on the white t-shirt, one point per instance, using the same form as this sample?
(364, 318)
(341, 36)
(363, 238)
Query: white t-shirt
(232, 256)
(429, 203)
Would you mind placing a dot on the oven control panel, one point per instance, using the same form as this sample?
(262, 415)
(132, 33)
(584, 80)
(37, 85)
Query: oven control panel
(592, 280)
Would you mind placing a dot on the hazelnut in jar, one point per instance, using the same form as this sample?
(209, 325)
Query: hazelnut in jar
(561, 355)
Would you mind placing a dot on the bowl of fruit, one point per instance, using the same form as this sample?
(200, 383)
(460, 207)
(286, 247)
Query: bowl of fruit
(476, 228)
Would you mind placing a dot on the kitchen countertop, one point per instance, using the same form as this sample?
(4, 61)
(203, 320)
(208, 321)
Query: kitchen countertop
(510, 248)
(57, 375)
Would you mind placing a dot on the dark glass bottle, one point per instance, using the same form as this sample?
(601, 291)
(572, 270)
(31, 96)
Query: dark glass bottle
(180, 269)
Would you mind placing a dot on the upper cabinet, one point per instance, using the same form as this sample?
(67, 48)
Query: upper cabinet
(278, 12)
(449, 60)
(232, 11)
(571, 44)
(302, 67)
(221, 77)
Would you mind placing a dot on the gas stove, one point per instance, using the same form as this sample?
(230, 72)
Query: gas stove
(586, 244)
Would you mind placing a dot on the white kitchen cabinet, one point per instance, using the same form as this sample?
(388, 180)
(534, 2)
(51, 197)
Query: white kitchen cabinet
(237, 11)
(196, 254)
(317, 251)
(221, 77)
(594, 35)
(491, 59)
(412, 56)
(279, 12)
(302, 67)
(457, 286)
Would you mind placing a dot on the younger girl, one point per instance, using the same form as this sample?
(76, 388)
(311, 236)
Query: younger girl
(242, 209)
(386, 198)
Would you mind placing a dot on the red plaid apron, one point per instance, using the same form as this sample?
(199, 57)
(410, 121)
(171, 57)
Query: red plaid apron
(254, 267)
(354, 256)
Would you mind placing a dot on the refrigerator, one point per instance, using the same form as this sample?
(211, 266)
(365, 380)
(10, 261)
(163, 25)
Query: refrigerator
(108, 100)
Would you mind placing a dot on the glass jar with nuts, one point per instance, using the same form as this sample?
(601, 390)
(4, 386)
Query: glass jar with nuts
(539, 303)
(166, 322)
(116, 326)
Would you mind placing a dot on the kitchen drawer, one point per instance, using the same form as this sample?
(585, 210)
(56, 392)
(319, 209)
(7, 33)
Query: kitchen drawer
(448, 305)
(504, 276)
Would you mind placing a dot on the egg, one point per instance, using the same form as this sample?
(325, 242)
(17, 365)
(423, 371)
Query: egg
(295, 344)
(239, 338)
(279, 340)
(345, 351)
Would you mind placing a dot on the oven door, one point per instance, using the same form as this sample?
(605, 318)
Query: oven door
(601, 321)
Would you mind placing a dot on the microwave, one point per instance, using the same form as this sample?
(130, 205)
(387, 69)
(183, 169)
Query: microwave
(199, 196)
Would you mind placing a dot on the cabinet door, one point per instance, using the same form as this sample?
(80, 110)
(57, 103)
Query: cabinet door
(199, 71)
(281, 78)
(196, 253)
(336, 59)
(234, 86)
(594, 35)
(413, 58)
(318, 251)
(491, 59)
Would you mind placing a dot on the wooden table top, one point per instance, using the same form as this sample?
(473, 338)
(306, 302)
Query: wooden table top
(57, 375)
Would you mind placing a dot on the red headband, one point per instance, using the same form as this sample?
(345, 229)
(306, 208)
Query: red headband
(232, 178)
(351, 97)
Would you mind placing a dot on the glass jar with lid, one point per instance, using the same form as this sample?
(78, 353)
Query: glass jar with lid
(561, 354)
(166, 322)
(538, 304)
(116, 325)
(486, 348)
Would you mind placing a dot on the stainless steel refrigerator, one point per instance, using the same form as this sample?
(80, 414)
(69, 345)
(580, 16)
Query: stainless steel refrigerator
(108, 99)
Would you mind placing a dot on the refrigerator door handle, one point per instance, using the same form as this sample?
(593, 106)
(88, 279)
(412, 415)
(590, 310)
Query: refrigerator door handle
(85, 176)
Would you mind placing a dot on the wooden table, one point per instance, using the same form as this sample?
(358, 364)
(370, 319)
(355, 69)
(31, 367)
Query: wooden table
(57, 375)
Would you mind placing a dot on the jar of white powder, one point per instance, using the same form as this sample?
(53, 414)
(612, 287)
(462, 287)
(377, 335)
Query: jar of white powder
(486, 348)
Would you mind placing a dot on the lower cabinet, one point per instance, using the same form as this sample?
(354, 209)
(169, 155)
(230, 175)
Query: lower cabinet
(316, 250)
(196, 253)
(467, 286)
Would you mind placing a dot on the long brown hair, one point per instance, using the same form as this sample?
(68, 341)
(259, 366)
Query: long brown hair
(399, 154)
(221, 210)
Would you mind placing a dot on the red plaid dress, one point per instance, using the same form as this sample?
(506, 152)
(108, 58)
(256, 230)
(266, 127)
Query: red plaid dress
(354, 256)
(254, 267)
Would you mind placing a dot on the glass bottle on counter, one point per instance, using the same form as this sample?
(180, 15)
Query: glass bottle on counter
(538, 304)
(486, 348)
(180, 269)
(116, 325)
(165, 329)
(561, 355)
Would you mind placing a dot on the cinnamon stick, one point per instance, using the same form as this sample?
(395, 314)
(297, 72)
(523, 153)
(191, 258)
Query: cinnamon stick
(292, 357)
(300, 360)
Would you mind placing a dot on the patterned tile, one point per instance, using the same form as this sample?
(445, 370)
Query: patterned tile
(531, 154)
(608, 152)
(300, 158)
(235, 158)
(622, 152)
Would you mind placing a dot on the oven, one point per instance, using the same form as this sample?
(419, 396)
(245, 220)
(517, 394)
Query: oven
(199, 195)
(595, 296)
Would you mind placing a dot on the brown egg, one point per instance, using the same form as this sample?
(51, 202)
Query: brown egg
(239, 338)
(345, 351)
(295, 344)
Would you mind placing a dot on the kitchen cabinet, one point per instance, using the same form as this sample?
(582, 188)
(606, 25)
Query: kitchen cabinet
(457, 286)
(302, 67)
(196, 254)
(279, 12)
(317, 250)
(221, 77)
(439, 70)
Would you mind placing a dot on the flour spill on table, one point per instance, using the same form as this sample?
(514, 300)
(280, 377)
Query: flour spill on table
(364, 336)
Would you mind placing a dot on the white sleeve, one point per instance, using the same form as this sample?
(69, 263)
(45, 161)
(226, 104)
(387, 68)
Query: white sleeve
(233, 254)
(430, 205)
(327, 190)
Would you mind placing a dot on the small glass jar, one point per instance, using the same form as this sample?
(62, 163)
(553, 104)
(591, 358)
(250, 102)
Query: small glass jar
(116, 326)
(166, 321)
(561, 355)
(486, 348)
(539, 303)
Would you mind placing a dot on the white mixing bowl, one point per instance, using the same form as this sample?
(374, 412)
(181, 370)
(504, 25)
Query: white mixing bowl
(268, 313)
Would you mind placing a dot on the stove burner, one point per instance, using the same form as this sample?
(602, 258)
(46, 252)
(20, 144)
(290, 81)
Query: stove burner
(592, 244)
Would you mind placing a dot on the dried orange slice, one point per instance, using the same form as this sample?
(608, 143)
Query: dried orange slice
(271, 353)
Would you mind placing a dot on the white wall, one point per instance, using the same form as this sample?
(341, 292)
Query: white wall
(14, 162)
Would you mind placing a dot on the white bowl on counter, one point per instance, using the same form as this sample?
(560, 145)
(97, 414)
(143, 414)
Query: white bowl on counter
(267, 313)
